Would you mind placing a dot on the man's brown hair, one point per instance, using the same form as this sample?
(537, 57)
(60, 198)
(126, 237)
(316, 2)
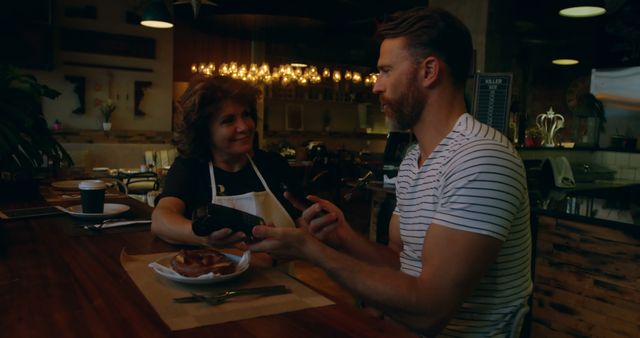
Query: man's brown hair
(433, 31)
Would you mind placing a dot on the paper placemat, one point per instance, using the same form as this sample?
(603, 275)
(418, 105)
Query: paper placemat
(160, 293)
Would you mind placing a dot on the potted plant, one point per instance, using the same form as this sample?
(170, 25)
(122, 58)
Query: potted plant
(532, 137)
(106, 109)
(26, 143)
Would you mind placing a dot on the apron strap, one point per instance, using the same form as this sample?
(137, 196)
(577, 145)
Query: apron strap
(212, 178)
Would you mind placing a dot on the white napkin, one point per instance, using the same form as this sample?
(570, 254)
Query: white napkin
(244, 261)
(389, 181)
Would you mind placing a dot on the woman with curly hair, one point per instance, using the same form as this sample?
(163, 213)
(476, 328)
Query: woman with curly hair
(217, 149)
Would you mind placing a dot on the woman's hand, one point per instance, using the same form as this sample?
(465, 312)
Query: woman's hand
(323, 220)
(224, 238)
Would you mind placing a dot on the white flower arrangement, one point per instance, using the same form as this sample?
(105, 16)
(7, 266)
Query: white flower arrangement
(106, 109)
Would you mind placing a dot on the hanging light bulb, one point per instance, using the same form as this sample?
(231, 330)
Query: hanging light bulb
(347, 75)
(326, 73)
(224, 69)
(357, 78)
(194, 68)
(336, 76)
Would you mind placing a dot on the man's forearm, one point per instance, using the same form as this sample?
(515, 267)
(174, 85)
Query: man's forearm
(385, 286)
(370, 252)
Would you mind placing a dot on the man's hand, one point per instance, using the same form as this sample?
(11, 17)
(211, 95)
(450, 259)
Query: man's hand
(323, 220)
(224, 238)
(281, 242)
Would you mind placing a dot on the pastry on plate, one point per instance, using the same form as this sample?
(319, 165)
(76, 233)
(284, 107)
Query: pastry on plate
(194, 263)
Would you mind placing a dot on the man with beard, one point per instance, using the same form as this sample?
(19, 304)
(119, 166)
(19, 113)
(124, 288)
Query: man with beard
(458, 261)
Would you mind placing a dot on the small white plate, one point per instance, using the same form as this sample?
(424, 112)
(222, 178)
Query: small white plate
(72, 185)
(101, 169)
(163, 268)
(66, 185)
(129, 171)
(110, 210)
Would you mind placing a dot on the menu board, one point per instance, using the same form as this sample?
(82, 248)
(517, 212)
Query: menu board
(492, 98)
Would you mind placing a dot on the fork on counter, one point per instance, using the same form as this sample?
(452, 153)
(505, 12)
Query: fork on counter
(222, 297)
(115, 222)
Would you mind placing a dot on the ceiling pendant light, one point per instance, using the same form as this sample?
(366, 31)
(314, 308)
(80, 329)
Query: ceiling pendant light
(156, 15)
(582, 11)
(581, 8)
(565, 62)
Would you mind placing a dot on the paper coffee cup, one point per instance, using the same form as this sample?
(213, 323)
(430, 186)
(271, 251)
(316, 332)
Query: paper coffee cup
(92, 196)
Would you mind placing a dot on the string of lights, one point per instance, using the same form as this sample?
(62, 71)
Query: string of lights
(287, 74)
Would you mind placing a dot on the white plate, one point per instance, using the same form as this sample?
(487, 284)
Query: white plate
(129, 171)
(163, 268)
(101, 169)
(72, 185)
(66, 185)
(110, 210)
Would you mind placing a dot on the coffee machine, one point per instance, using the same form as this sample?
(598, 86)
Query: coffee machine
(397, 144)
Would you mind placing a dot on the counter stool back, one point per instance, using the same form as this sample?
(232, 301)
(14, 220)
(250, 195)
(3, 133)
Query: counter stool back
(518, 321)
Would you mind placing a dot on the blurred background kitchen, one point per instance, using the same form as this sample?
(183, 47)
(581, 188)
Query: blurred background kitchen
(571, 105)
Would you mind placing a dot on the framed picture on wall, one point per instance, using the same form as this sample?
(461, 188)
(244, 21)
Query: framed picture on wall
(293, 114)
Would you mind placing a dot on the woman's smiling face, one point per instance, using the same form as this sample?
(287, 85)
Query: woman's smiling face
(232, 130)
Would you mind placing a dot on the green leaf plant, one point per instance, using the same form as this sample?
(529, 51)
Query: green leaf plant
(26, 143)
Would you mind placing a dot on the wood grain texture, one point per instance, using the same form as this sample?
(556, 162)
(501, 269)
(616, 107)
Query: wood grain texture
(587, 281)
(56, 285)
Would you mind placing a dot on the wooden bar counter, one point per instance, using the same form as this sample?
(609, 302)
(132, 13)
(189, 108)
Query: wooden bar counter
(57, 284)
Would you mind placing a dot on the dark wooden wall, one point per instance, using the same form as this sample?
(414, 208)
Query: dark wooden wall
(587, 281)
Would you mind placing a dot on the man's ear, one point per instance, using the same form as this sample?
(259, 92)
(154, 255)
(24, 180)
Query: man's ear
(431, 71)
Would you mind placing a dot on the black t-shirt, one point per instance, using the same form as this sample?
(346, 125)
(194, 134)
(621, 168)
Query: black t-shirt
(188, 179)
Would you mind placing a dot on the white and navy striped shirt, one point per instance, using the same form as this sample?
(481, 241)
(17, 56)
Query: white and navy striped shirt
(474, 181)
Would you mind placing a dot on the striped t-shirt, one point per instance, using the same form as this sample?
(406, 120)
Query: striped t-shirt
(474, 181)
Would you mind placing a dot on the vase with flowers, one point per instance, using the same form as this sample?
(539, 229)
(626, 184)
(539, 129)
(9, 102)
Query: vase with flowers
(106, 109)
(533, 137)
